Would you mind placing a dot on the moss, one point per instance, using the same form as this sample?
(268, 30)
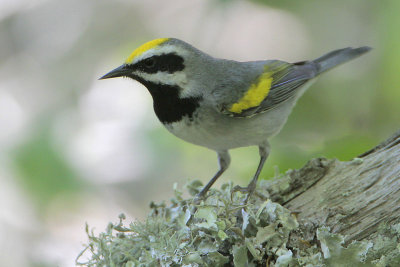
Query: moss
(222, 231)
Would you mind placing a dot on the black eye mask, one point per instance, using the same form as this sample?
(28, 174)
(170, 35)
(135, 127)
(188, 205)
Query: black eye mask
(161, 63)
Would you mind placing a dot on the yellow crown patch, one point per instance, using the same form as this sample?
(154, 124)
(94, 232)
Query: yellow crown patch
(143, 48)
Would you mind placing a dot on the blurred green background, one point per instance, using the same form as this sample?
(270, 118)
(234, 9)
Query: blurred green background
(74, 149)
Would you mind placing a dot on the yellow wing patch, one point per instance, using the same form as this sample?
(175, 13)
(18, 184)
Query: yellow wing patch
(143, 48)
(254, 95)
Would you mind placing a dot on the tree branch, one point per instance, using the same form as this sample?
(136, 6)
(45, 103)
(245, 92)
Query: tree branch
(352, 198)
(328, 213)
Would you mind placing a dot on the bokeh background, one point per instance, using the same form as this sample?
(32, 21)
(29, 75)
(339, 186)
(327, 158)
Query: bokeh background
(74, 149)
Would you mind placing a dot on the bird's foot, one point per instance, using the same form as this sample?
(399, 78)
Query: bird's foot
(249, 190)
(198, 198)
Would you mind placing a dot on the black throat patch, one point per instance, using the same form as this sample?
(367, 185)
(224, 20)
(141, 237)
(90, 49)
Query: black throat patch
(168, 106)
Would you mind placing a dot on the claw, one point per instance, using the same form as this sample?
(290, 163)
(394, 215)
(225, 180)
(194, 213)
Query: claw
(249, 190)
(198, 198)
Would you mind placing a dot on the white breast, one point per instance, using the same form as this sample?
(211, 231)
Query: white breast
(217, 131)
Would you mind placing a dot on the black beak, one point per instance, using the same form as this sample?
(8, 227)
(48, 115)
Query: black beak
(117, 72)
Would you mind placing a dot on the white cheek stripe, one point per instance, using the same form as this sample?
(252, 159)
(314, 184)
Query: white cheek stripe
(173, 79)
(176, 78)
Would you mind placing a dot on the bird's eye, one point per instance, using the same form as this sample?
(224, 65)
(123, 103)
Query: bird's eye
(149, 62)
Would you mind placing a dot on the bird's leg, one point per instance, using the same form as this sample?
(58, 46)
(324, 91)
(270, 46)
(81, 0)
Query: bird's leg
(264, 152)
(224, 160)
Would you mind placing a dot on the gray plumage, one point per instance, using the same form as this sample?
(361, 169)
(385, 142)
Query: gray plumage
(337, 57)
(206, 89)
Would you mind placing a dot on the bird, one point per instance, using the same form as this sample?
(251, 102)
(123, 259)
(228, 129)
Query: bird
(223, 104)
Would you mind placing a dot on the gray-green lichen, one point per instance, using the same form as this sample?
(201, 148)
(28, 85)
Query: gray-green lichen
(222, 231)
(386, 249)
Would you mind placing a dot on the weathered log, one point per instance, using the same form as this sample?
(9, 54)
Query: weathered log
(328, 213)
(352, 198)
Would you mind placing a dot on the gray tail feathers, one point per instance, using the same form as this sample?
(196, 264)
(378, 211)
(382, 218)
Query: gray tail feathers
(338, 57)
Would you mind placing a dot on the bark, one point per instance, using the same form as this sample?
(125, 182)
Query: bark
(348, 214)
(353, 198)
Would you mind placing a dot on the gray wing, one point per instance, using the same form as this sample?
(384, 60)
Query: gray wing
(287, 82)
(304, 71)
(284, 86)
